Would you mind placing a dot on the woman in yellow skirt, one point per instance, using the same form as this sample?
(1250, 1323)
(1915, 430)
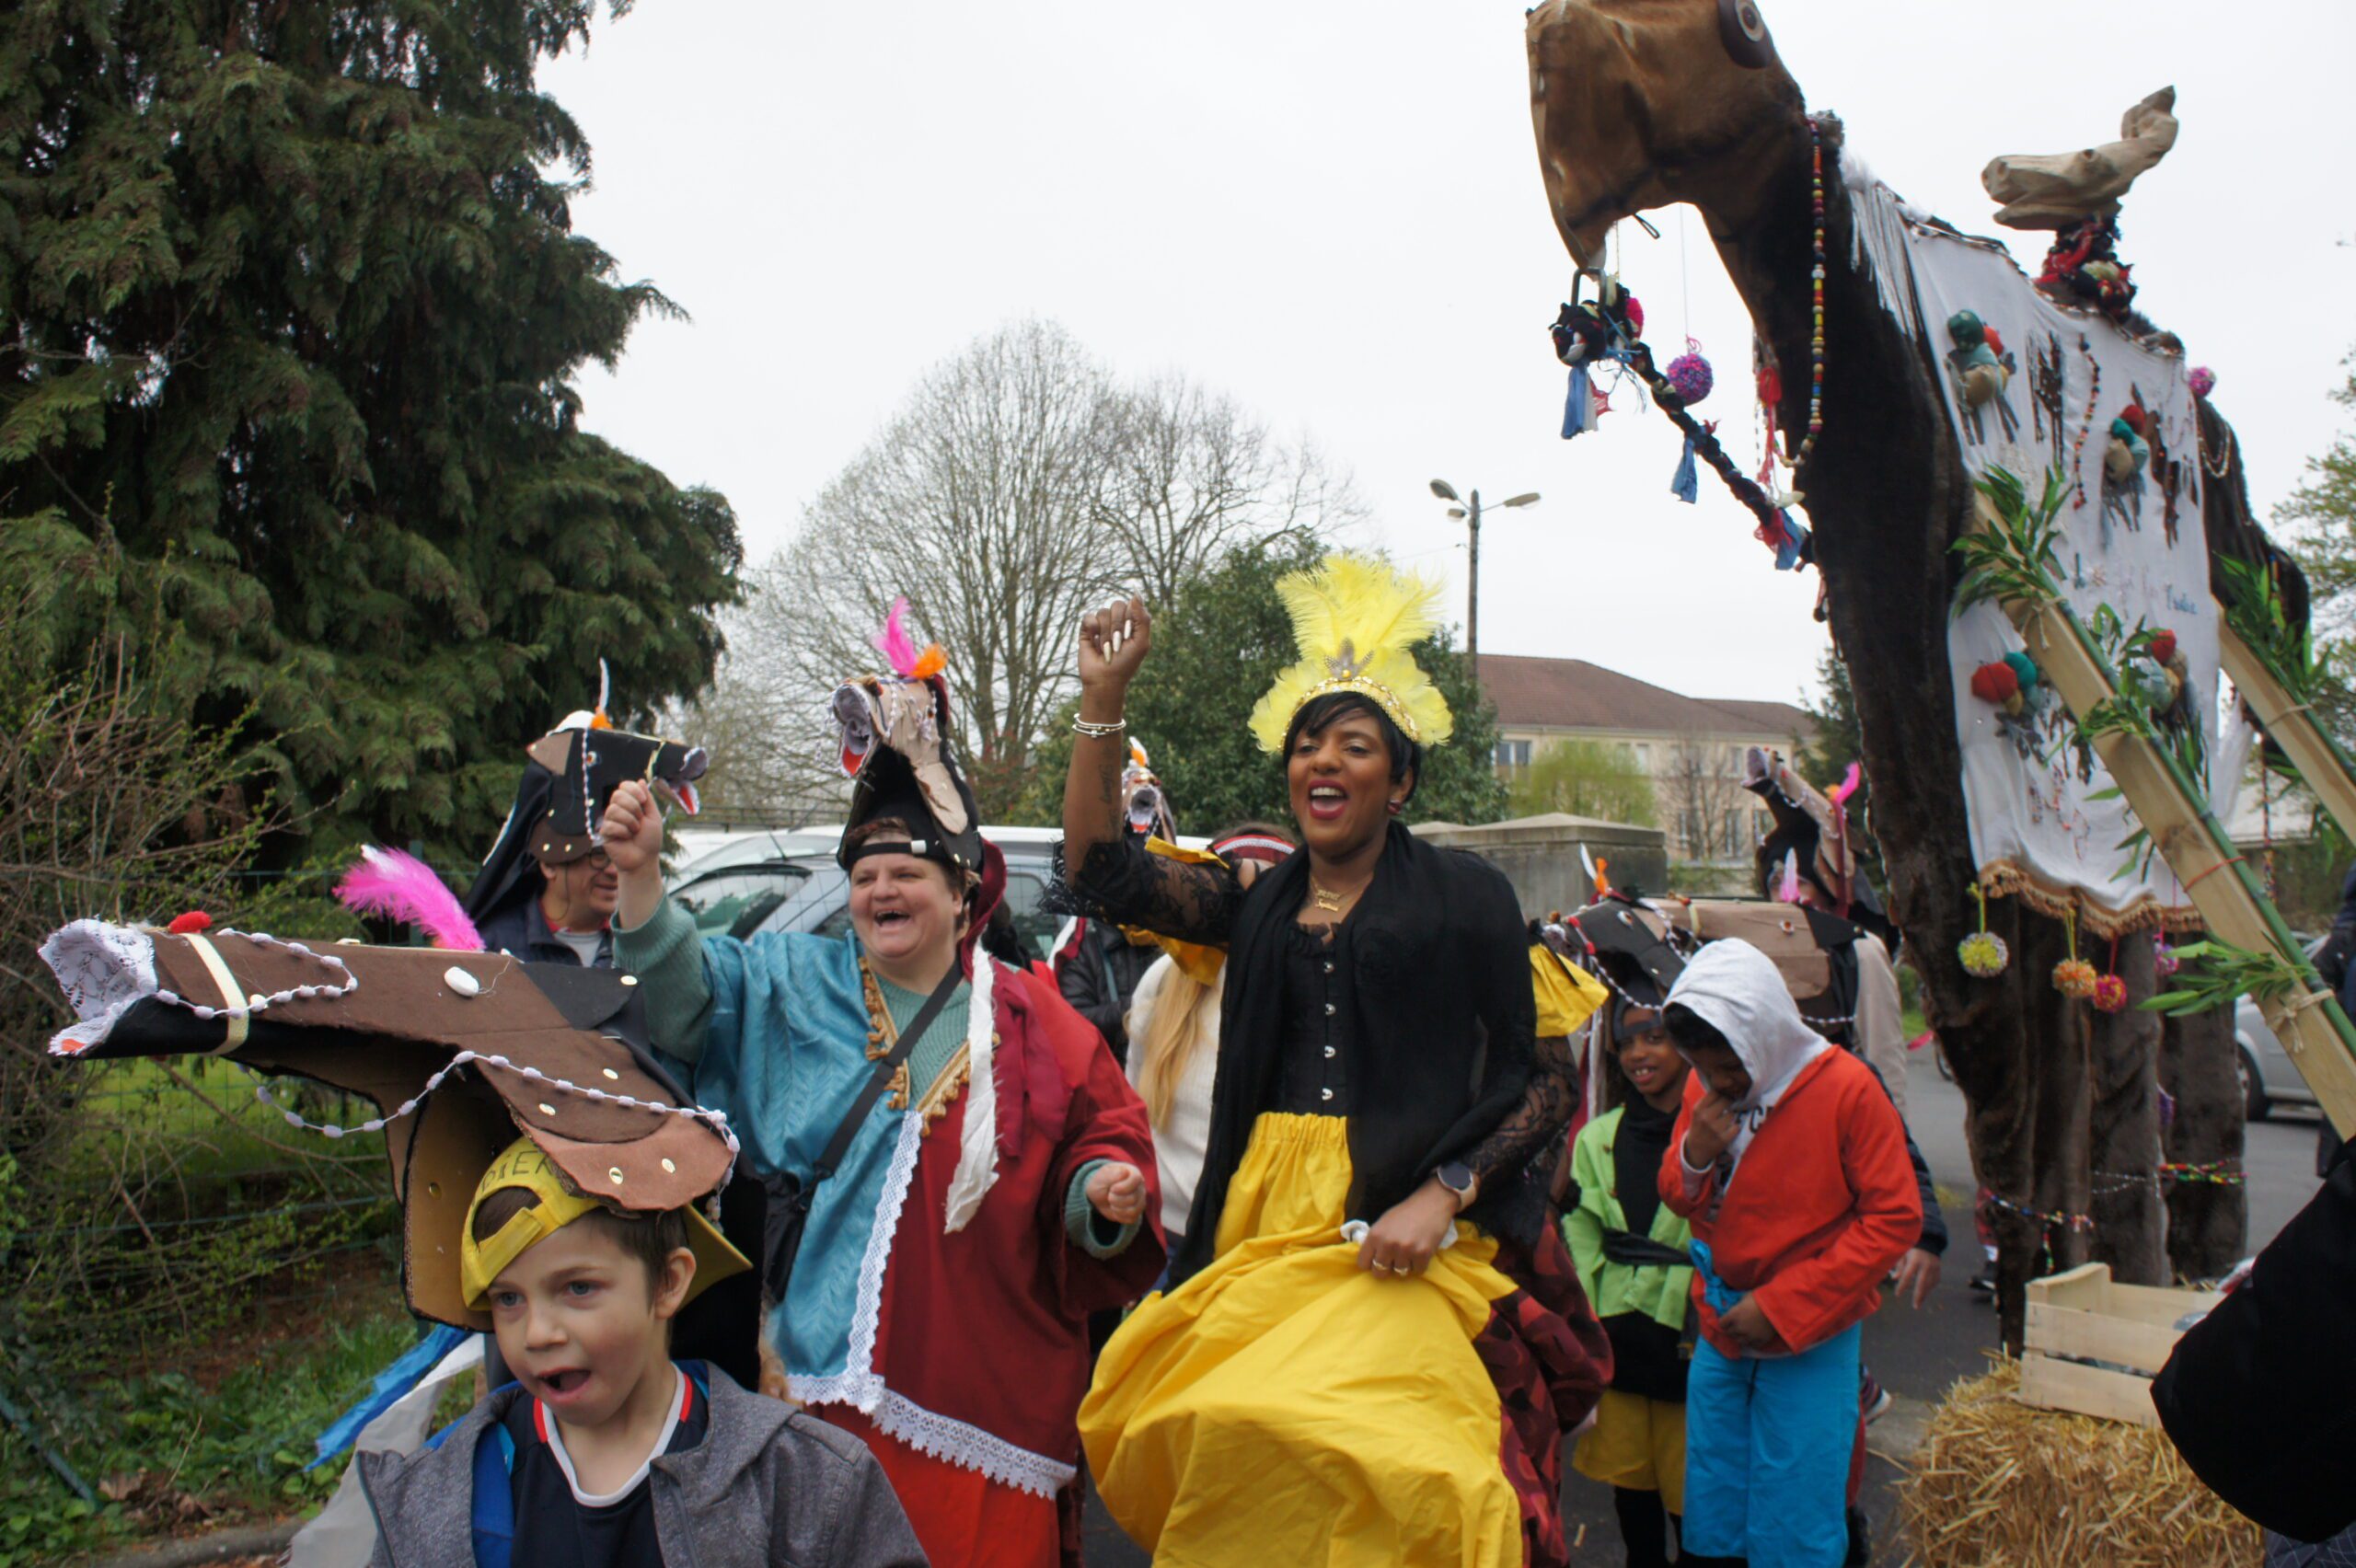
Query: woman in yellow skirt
(1371, 1339)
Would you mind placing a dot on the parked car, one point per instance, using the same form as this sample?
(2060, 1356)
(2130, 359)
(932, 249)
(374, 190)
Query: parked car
(789, 881)
(2267, 1077)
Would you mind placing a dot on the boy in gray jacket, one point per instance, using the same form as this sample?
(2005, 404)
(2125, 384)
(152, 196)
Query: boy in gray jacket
(604, 1453)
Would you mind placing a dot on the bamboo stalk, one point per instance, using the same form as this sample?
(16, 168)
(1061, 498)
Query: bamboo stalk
(2317, 1036)
(2322, 765)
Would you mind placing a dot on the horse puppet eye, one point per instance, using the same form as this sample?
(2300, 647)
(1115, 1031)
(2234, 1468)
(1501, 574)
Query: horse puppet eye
(1743, 31)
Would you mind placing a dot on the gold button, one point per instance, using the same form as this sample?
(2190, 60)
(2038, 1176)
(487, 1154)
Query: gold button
(669, 1168)
(613, 1075)
(630, 979)
(617, 1174)
(547, 1109)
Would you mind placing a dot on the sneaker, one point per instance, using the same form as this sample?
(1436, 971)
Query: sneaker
(1873, 1398)
(1984, 1282)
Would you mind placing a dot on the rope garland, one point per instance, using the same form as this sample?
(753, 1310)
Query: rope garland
(716, 1120)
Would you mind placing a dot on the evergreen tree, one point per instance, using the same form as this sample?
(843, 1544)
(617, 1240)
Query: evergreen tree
(1840, 738)
(291, 318)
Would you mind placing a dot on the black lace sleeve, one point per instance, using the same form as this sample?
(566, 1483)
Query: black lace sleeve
(1539, 1119)
(1121, 882)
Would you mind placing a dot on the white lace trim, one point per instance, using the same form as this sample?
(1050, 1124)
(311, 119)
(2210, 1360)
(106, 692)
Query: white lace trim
(944, 1438)
(978, 1143)
(858, 1384)
(103, 970)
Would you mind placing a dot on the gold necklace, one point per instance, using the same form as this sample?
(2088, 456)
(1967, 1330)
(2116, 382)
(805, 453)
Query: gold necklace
(1329, 902)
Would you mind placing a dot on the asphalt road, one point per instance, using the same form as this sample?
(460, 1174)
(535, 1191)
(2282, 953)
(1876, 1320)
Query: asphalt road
(1917, 1355)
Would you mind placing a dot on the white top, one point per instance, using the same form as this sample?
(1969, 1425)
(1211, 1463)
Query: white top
(662, 1442)
(1178, 1143)
(583, 944)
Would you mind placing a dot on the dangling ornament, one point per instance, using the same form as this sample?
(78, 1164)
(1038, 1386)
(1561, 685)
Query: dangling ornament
(2110, 990)
(1982, 954)
(2202, 380)
(2165, 961)
(2074, 976)
(1689, 377)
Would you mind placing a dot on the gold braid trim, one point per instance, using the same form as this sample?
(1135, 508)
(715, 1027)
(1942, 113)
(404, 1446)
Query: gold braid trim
(882, 1035)
(2006, 878)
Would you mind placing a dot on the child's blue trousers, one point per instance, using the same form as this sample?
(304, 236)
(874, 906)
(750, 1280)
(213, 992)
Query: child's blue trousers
(1767, 1449)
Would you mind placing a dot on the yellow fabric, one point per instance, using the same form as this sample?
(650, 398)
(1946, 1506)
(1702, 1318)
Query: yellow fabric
(1636, 1443)
(1354, 620)
(523, 1164)
(1285, 1406)
(1567, 995)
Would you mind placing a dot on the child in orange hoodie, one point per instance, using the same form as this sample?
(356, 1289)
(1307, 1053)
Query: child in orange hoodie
(1790, 1164)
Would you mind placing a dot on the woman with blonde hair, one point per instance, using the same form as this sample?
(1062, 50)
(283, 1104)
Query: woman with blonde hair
(1173, 1037)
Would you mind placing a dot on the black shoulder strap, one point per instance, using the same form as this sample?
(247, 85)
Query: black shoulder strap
(839, 1145)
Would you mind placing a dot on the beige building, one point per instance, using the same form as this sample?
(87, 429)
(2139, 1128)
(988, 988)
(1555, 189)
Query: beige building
(1690, 748)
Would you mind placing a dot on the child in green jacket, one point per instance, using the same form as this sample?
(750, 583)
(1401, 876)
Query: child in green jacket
(1629, 1247)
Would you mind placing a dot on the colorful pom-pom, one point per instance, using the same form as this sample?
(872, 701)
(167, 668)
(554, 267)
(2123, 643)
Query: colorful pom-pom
(2075, 978)
(2023, 669)
(2202, 380)
(191, 923)
(1983, 954)
(2111, 994)
(1636, 316)
(2162, 646)
(1689, 377)
(1994, 681)
(2165, 961)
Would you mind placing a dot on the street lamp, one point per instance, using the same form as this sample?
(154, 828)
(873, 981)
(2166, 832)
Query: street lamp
(1471, 511)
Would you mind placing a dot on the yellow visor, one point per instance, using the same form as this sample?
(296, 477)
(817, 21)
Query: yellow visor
(523, 1164)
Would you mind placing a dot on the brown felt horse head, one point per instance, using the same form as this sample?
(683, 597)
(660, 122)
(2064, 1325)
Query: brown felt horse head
(1642, 103)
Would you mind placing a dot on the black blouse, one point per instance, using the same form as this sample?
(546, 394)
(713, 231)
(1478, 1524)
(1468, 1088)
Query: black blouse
(1314, 1079)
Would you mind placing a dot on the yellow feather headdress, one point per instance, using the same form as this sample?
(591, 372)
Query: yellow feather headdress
(1355, 619)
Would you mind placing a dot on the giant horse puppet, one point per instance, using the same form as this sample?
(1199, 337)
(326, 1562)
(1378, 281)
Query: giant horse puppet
(1644, 103)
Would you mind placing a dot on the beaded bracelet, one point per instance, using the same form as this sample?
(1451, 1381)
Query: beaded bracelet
(1095, 731)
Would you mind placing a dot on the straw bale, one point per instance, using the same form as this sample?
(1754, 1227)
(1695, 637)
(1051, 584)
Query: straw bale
(1999, 1484)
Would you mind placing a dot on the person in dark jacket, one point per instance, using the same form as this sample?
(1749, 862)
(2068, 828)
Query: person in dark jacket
(2260, 1396)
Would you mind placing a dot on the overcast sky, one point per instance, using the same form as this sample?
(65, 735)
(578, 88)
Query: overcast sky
(1335, 213)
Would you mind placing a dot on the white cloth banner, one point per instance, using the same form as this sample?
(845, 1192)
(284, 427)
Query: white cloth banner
(2132, 540)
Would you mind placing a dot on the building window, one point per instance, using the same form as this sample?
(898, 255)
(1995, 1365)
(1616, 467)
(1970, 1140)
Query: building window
(1643, 757)
(1513, 756)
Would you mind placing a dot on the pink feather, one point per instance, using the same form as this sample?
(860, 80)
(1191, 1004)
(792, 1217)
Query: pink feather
(1790, 892)
(894, 642)
(394, 886)
(1856, 776)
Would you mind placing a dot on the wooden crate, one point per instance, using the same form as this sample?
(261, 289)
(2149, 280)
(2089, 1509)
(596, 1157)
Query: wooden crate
(2084, 1317)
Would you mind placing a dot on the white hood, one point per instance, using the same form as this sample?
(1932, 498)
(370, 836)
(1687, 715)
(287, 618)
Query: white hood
(1736, 990)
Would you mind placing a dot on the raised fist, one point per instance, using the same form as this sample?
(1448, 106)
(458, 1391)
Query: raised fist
(633, 829)
(1113, 644)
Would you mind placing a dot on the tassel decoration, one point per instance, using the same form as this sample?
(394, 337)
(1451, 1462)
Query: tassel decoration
(1579, 407)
